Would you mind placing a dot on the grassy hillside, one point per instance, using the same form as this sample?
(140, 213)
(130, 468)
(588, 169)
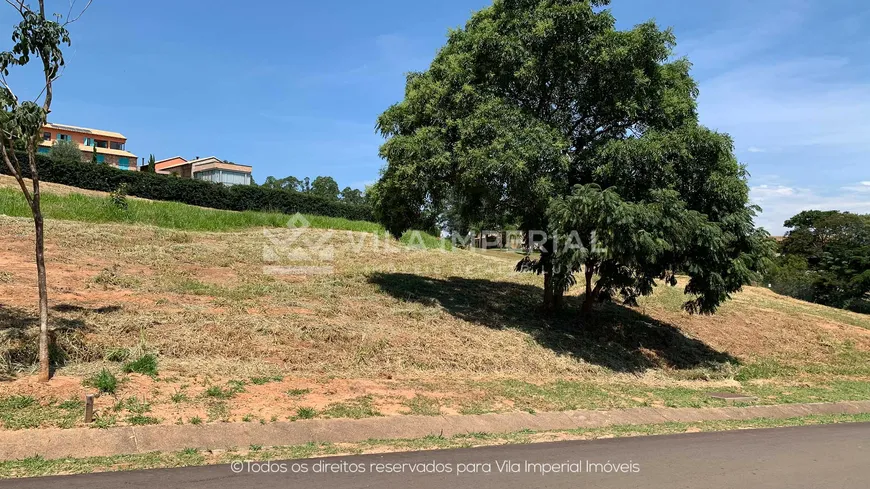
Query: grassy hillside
(246, 327)
(94, 207)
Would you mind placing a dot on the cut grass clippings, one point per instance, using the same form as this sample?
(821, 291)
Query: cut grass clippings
(420, 331)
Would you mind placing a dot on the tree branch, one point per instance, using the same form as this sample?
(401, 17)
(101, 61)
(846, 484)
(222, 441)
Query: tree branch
(19, 6)
(69, 14)
(15, 169)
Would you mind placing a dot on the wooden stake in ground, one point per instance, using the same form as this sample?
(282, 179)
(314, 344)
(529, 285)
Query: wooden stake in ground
(21, 124)
(89, 408)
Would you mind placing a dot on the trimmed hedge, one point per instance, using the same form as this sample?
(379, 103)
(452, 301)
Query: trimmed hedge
(188, 191)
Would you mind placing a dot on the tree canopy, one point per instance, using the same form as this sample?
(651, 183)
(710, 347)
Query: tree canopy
(325, 187)
(286, 183)
(541, 115)
(352, 196)
(65, 151)
(825, 258)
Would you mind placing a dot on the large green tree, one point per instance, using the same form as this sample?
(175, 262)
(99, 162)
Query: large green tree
(325, 187)
(352, 196)
(825, 258)
(38, 36)
(541, 115)
(65, 151)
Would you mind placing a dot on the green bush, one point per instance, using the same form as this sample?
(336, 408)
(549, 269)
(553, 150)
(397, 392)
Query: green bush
(65, 151)
(104, 381)
(195, 192)
(118, 197)
(146, 365)
(791, 276)
(859, 306)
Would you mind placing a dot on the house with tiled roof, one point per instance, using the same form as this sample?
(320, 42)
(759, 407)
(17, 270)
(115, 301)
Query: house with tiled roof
(110, 147)
(210, 169)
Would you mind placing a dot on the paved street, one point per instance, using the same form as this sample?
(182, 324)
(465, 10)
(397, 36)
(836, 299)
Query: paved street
(833, 456)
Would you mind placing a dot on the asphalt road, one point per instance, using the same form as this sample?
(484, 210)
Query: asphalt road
(832, 456)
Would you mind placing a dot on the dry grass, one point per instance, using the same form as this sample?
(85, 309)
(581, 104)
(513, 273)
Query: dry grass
(458, 329)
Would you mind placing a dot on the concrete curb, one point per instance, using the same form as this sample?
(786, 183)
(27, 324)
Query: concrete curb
(92, 442)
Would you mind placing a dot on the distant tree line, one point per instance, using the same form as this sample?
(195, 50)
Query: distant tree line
(324, 187)
(825, 258)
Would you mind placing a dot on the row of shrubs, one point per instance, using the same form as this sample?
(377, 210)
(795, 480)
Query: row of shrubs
(188, 191)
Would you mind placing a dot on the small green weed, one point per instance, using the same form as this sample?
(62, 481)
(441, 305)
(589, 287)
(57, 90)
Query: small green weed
(266, 380)
(146, 365)
(104, 381)
(233, 387)
(360, 407)
(305, 413)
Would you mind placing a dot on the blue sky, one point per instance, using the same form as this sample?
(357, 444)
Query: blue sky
(293, 88)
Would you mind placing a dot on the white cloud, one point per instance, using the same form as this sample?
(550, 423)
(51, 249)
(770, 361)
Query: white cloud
(768, 191)
(780, 202)
(860, 187)
(802, 115)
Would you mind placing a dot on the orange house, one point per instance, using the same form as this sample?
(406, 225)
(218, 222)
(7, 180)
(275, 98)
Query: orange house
(210, 169)
(110, 146)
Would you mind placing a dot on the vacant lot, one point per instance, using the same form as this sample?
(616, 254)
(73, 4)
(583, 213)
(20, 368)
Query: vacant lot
(258, 326)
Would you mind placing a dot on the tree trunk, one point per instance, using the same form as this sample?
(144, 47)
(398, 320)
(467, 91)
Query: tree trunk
(548, 290)
(44, 365)
(589, 300)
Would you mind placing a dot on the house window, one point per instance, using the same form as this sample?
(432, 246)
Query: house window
(89, 142)
(101, 159)
(124, 163)
(101, 144)
(115, 145)
(223, 176)
(43, 150)
(63, 137)
(46, 136)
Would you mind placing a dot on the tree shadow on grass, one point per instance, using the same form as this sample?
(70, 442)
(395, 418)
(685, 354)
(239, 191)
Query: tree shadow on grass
(75, 308)
(615, 337)
(19, 333)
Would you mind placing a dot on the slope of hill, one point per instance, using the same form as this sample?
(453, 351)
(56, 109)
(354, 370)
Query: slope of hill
(288, 323)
